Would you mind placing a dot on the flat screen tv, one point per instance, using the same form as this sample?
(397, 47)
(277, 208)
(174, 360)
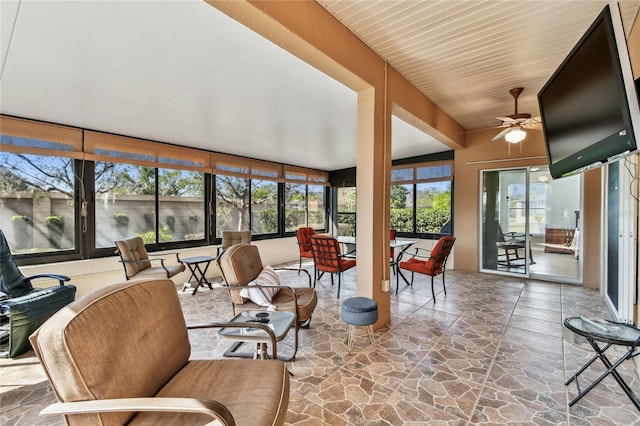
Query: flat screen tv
(589, 106)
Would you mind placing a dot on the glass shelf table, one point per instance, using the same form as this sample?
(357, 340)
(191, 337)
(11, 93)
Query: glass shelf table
(280, 322)
(601, 335)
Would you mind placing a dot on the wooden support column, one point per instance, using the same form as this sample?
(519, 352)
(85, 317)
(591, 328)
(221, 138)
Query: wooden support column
(372, 177)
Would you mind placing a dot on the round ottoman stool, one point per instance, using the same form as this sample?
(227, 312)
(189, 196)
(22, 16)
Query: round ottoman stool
(360, 311)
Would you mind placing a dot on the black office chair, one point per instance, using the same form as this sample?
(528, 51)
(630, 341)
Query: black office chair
(24, 308)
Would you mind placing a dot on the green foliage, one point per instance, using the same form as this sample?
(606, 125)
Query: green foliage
(427, 220)
(55, 220)
(399, 196)
(431, 220)
(18, 217)
(179, 183)
(149, 237)
(121, 219)
(402, 220)
(293, 219)
(347, 225)
(268, 222)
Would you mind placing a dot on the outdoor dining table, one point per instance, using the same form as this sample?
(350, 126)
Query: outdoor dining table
(402, 245)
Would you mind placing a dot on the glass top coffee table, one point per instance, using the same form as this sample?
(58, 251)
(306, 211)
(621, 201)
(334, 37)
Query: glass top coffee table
(601, 335)
(279, 322)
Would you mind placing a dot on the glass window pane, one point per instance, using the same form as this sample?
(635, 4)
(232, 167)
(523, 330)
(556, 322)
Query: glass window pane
(181, 205)
(433, 207)
(401, 174)
(125, 203)
(264, 207)
(295, 207)
(538, 208)
(434, 172)
(347, 211)
(232, 204)
(347, 224)
(402, 208)
(37, 199)
(516, 199)
(316, 206)
(347, 200)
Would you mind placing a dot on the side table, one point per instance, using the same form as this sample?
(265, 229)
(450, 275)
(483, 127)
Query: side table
(198, 272)
(601, 336)
(280, 322)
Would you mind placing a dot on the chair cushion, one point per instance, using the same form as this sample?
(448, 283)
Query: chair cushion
(262, 296)
(74, 344)
(12, 282)
(304, 240)
(240, 265)
(421, 266)
(240, 384)
(134, 253)
(307, 300)
(359, 311)
(307, 254)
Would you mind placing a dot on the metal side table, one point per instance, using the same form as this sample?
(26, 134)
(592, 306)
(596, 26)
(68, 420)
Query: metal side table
(601, 336)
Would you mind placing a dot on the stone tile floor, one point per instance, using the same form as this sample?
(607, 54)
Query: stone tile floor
(490, 351)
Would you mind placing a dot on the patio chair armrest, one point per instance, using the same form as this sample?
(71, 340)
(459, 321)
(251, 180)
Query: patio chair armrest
(61, 278)
(159, 259)
(297, 270)
(162, 255)
(182, 405)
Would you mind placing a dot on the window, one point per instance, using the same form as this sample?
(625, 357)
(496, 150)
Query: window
(537, 208)
(38, 186)
(232, 204)
(124, 203)
(433, 207)
(295, 206)
(347, 211)
(116, 187)
(402, 215)
(421, 198)
(38, 208)
(304, 197)
(264, 207)
(181, 205)
(316, 206)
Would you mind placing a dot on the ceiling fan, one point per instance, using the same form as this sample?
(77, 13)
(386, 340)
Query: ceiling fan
(516, 123)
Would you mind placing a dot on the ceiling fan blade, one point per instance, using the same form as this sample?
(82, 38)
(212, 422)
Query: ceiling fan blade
(501, 134)
(505, 119)
(481, 129)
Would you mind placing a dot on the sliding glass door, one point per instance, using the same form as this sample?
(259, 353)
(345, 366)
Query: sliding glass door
(504, 229)
(530, 224)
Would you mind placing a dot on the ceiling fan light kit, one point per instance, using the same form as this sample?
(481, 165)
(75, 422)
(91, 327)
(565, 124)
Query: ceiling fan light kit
(515, 135)
(516, 123)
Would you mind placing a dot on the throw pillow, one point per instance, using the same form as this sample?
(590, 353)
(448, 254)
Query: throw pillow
(262, 295)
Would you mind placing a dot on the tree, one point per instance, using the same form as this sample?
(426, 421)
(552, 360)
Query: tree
(399, 196)
(233, 193)
(35, 173)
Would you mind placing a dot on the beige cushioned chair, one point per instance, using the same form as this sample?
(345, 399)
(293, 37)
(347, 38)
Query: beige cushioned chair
(138, 264)
(125, 348)
(241, 263)
(230, 238)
